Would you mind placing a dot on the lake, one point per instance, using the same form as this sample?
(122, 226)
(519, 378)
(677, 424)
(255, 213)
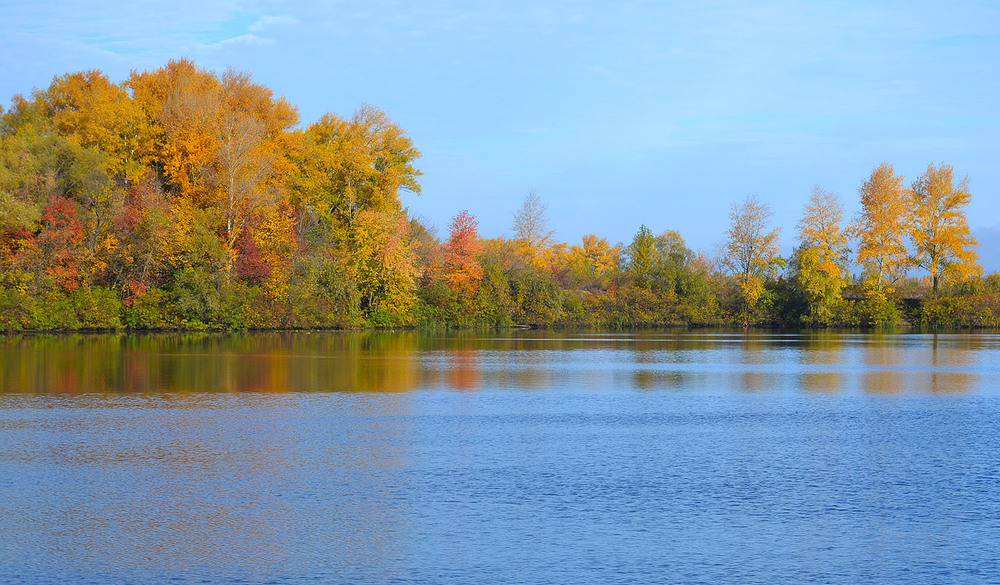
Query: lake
(516, 457)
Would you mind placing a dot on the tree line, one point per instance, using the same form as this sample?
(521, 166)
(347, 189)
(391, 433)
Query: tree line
(183, 198)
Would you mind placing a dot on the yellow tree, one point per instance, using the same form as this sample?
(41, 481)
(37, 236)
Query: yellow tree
(92, 112)
(251, 158)
(385, 265)
(751, 249)
(882, 225)
(222, 144)
(182, 102)
(346, 166)
(821, 257)
(593, 256)
(939, 229)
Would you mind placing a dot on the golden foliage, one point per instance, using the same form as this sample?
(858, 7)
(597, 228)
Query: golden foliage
(385, 264)
(348, 166)
(822, 253)
(939, 229)
(882, 225)
(751, 249)
(594, 256)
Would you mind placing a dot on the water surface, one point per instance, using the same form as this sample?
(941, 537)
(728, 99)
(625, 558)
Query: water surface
(534, 458)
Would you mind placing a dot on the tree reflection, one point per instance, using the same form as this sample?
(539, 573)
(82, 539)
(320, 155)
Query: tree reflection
(463, 370)
(238, 363)
(379, 362)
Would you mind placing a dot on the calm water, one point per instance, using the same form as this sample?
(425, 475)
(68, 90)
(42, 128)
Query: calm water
(524, 458)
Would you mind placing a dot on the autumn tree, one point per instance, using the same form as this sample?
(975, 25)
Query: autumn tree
(60, 243)
(592, 258)
(94, 113)
(751, 249)
(531, 229)
(347, 166)
(250, 161)
(822, 255)
(181, 103)
(939, 230)
(882, 225)
(384, 265)
(143, 234)
(462, 269)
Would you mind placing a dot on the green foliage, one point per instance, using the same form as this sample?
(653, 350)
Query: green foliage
(642, 258)
(195, 294)
(536, 297)
(148, 310)
(494, 301)
(877, 309)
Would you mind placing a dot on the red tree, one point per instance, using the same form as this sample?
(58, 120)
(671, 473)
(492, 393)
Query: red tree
(462, 270)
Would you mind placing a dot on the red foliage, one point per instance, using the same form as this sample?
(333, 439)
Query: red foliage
(461, 268)
(60, 239)
(12, 242)
(251, 267)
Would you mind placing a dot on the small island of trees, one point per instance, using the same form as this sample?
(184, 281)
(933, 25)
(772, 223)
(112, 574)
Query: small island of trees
(184, 199)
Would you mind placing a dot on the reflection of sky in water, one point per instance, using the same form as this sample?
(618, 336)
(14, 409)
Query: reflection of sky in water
(822, 362)
(456, 487)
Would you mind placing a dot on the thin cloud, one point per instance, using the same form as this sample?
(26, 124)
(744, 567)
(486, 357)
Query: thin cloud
(247, 39)
(267, 21)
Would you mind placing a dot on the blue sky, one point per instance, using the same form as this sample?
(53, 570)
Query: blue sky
(618, 114)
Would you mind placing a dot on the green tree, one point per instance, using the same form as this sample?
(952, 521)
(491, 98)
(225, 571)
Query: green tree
(642, 258)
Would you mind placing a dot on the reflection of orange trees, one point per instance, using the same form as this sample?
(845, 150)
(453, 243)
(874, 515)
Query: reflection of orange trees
(463, 370)
(824, 349)
(754, 382)
(880, 354)
(951, 382)
(883, 382)
(956, 352)
(822, 382)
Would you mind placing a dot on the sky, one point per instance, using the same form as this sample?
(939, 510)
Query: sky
(617, 114)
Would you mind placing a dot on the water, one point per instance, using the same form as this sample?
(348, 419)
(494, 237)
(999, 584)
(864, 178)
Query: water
(528, 458)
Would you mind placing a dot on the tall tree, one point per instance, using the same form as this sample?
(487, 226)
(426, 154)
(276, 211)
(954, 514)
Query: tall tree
(882, 226)
(462, 269)
(181, 103)
(675, 260)
(92, 112)
(250, 160)
(751, 249)
(939, 230)
(821, 258)
(642, 257)
(531, 229)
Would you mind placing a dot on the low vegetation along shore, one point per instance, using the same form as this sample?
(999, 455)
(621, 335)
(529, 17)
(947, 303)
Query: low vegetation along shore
(181, 198)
